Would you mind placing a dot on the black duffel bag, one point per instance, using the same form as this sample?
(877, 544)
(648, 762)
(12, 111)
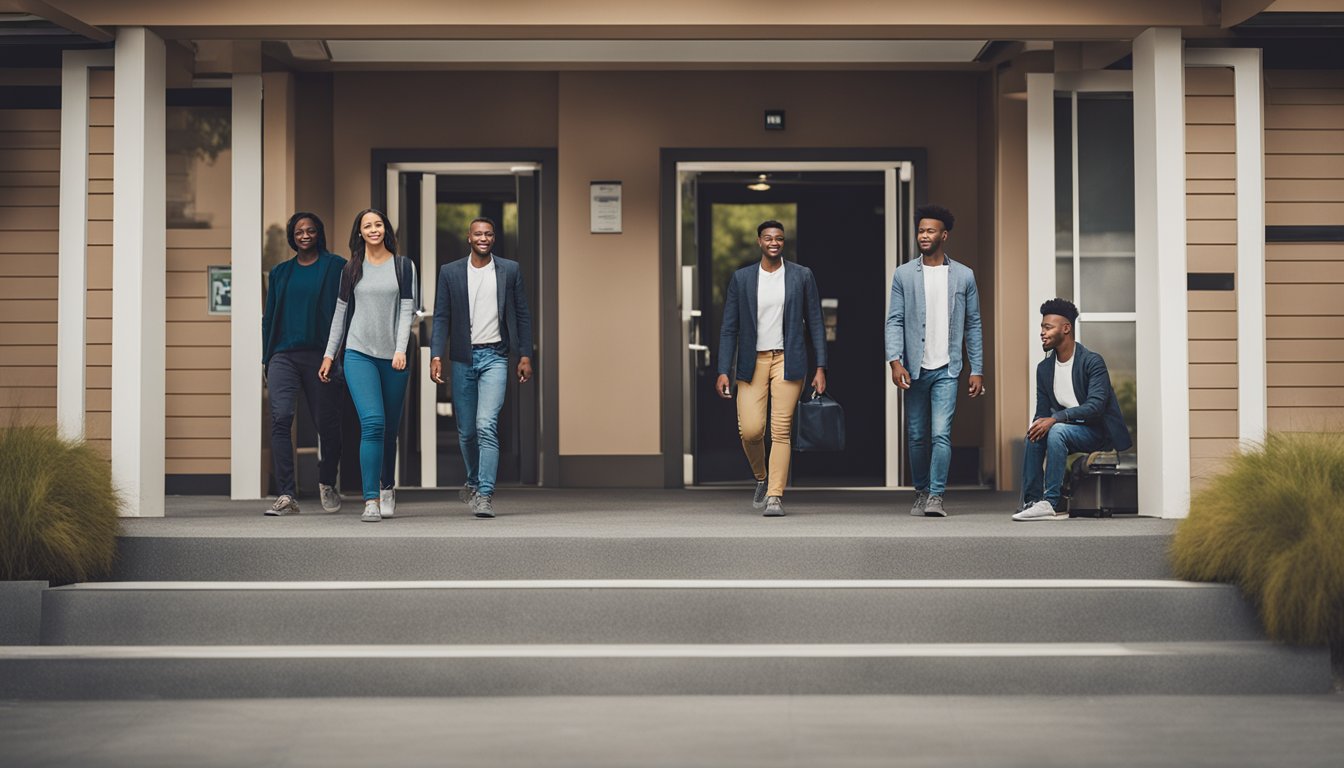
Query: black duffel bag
(819, 424)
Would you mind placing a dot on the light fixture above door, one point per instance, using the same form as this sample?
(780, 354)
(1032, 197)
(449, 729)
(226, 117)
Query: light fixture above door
(760, 185)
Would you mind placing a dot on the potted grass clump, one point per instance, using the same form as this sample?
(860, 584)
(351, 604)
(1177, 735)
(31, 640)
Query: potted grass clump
(58, 508)
(1273, 524)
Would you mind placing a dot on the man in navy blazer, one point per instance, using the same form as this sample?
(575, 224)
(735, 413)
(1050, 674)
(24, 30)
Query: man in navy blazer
(763, 328)
(1076, 411)
(480, 315)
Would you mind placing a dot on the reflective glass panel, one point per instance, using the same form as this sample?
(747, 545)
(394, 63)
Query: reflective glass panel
(1115, 341)
(1063, 196)
(1106, 202)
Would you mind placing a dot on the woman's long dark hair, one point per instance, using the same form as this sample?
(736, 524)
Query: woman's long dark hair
(317, 224)
(354, 269)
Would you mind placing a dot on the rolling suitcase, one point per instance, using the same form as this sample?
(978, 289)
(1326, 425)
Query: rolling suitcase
(1103, 484)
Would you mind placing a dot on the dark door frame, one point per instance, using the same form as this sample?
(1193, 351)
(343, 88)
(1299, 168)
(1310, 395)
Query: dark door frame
(545, 317)
(669, 261)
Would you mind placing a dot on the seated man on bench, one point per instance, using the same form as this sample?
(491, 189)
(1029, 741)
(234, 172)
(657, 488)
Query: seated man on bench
(1076, 411)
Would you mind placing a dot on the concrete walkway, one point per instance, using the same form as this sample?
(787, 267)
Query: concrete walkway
(525, 512)
(594, 732)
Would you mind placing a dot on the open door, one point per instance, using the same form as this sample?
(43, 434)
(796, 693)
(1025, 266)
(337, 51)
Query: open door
(433, 205)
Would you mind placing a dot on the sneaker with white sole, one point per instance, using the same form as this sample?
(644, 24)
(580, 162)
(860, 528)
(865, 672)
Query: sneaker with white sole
(917, 509)
(1041, 510)
(387, 502)
(466, 494)
(934, 507)
(331, 498)
(774, 506)
(758, 498)
(483, 506)
(285, 505)
(371, 513)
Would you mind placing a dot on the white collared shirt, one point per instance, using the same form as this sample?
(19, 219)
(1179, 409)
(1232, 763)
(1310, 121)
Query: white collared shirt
(483, 303)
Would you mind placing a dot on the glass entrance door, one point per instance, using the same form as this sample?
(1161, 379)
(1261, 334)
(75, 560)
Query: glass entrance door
(434, 212)
(843, 224)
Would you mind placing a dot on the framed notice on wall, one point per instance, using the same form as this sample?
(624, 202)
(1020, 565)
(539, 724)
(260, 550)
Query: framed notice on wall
(604, 206)
(219, 290)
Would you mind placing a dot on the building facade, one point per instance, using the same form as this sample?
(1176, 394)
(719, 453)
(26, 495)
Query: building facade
(1176, 168)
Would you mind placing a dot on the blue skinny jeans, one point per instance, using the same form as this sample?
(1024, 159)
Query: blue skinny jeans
(378, 392)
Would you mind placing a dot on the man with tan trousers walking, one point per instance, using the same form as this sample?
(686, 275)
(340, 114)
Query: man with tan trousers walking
(764, 315)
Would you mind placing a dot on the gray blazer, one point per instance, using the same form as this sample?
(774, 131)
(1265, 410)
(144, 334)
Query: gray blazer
(738, 332)
(452, 311)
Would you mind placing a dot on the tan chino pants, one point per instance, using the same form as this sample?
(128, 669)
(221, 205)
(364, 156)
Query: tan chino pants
(768, 394)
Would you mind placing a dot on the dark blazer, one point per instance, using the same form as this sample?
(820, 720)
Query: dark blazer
(452, 311)
(319, 325)
(738, 332)
(1097, 406)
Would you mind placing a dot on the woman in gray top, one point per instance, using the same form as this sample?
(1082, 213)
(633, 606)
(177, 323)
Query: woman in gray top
(372, 326)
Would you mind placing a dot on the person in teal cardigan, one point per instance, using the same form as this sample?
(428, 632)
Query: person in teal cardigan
(294, 329)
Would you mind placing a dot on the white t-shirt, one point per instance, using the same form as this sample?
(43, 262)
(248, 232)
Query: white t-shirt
(770, 310)
(483, 301)
(936, 318)
(1064, 383)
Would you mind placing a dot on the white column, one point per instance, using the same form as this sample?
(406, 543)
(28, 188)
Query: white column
(245, 379)
(1252, 382)
(1160, 274)
(138, 263)
(72, 280)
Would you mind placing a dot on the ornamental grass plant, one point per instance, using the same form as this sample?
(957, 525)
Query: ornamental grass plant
(1273, 524)
(58, 508)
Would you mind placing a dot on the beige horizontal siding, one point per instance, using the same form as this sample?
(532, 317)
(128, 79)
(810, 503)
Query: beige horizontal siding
(30, 141)
(98, 269)
(1304, 112)
(198, 361)
(1211, 235)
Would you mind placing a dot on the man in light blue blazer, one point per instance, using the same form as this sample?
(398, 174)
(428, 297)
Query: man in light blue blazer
(934, 308)
(764, 315)
(480, 315)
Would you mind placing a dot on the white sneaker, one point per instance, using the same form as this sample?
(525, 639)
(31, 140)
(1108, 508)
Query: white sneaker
(1041, 510)
(371, 513)
(387, 502)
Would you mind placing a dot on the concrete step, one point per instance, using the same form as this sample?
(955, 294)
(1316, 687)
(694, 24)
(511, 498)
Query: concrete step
(139, 672)
(384, 557)
(630, 612)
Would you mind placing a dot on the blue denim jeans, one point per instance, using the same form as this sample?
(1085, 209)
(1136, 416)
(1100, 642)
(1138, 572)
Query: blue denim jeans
(378, 392)
(478, 395)
(1053, 452)
(930, 402)
(287, 373)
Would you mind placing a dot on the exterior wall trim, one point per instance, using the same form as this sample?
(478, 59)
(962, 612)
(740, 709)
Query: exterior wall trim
(72, 270)
(1252, 358)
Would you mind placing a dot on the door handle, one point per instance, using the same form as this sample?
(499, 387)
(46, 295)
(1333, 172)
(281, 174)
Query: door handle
(701, 354)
